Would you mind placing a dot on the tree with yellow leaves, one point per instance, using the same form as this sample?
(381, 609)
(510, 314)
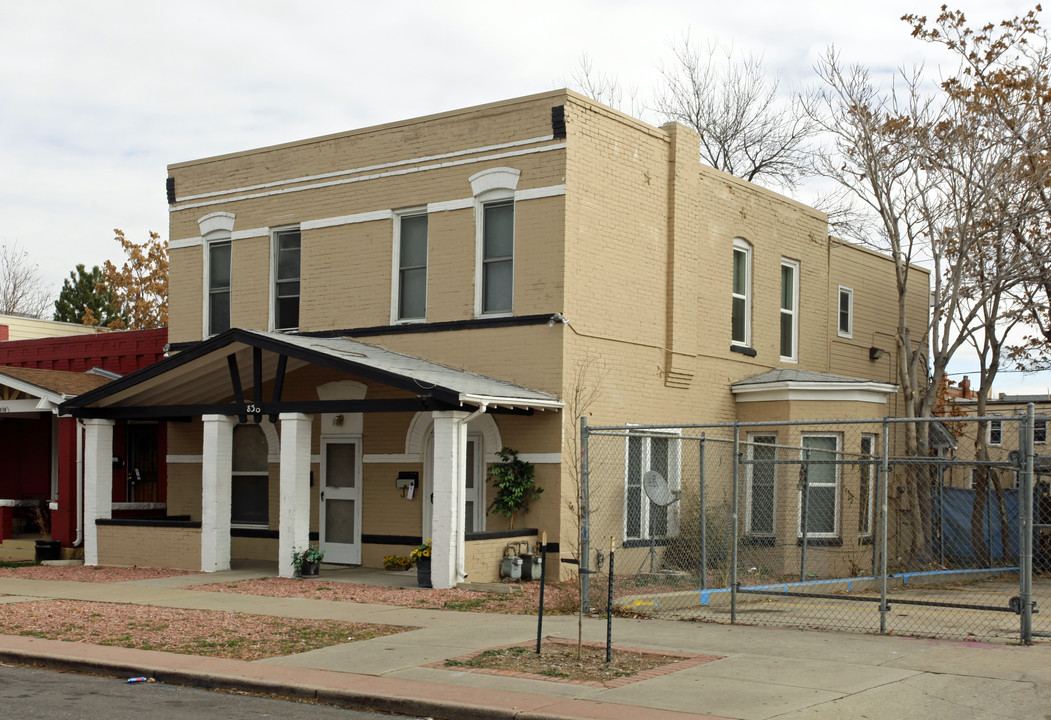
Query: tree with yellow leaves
(140, 286)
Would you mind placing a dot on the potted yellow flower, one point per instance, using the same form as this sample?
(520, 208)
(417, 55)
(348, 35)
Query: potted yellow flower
(421, 556)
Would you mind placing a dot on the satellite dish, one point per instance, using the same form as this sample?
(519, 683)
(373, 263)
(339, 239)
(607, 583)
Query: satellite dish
(657, 489)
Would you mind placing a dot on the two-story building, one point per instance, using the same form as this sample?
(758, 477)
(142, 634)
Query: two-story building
(357, 313)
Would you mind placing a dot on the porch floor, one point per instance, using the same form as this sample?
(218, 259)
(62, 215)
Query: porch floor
(337, 573)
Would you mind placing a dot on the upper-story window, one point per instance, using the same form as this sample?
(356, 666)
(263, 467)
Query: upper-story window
(741, 314)
(996, 432)
(494, 193)
(286, 245)
(216, 232)
(498, 245)
(218, 286)
(409, 299)
(789, 310)
(846, 312)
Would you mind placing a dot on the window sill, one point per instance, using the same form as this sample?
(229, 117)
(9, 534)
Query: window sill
(812, 541)
(750, 352)
(645, 542)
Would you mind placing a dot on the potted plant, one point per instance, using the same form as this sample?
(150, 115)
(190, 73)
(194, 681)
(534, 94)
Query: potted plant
(421, 556)
(396, 562)
(307, 563)
(515, 482)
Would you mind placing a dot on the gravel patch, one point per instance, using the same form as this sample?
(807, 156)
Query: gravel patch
(559, 598)
(237, 636)
(89, 573)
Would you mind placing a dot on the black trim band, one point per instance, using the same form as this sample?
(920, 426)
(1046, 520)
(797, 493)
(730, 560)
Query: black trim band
(750, 352)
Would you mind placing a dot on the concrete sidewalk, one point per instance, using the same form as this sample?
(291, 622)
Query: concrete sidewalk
(762, 672)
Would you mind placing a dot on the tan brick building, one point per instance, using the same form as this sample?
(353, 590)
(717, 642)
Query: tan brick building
(404, 300)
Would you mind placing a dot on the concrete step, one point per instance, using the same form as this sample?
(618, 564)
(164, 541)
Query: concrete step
(12, 550)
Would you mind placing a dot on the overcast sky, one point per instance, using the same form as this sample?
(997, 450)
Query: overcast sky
(97, 98)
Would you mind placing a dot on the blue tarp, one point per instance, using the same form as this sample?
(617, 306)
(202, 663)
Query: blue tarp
(951, 517)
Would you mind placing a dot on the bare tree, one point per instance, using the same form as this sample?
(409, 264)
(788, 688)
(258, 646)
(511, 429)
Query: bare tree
(21, 288)
(746, 128)
(940, 189)
(606, 89)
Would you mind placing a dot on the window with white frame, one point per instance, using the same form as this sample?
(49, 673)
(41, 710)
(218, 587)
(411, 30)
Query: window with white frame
(474, 486)
(644, 519)
(789, 309)
(1039, 431)
(286, 279)
(762, 476)
(250, 487)
(995, 432)
(498, 243)
(218, 271)
(494, 219)
(845, 328)
(410, 268)
(867, 488)
(821, 475)
(741, 312)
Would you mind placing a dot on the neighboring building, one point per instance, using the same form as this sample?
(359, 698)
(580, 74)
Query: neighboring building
(42, 452)
(16, 327)
(354, 312)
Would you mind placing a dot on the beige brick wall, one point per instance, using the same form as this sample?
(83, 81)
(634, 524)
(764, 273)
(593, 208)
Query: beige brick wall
(178, 548)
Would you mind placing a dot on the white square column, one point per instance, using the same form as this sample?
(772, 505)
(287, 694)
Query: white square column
(294, 508)
(449, 485)
(216, 491)
(98, 482)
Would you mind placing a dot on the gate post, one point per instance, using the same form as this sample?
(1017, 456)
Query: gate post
(733, 524)
(585, 520)
(704, 522)
(884, 470)
(1025, 528)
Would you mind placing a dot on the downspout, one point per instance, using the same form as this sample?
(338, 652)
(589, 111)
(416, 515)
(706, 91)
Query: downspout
(461, 553)
(79, 509)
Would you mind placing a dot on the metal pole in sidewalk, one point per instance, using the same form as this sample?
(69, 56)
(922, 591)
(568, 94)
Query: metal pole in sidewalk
(884, 470)
(1025, 527)
(804, 486)
(543, 576)
(609, 607)
(733, 524)
(704, 524)
(585, 529)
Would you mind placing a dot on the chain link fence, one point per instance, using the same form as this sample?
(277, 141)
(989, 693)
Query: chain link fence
(937, 528)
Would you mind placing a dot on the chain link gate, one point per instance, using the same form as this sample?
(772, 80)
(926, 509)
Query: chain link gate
(828, 524)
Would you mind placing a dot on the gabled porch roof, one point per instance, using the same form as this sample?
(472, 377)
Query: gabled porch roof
(237, 363)
(45, 388)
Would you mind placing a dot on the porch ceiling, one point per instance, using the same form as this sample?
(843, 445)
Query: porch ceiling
(237, 363)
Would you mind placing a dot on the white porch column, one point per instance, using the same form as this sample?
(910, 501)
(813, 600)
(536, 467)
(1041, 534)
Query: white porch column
(98, 482)
(294, 509)
(216, 483)
(450, 477)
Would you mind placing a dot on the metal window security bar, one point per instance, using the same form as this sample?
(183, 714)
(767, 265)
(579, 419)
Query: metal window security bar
(881, 525)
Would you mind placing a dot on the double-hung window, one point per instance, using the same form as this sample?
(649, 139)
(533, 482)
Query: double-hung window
(643, 518)
(789, 310)
(250, 487)
(498, 242)
(996, 432)
(219, 273)
(741, 312)
(821, 475)
(286, 279)
(845, 326)
(762, 477)
(1040, 431)
(867, 488)
(410, 246)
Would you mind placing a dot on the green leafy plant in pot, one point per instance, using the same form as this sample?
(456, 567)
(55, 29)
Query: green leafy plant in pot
(307, 563)
(514, 480)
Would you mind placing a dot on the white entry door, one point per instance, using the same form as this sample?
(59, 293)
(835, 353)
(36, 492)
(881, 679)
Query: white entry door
(341, 500)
